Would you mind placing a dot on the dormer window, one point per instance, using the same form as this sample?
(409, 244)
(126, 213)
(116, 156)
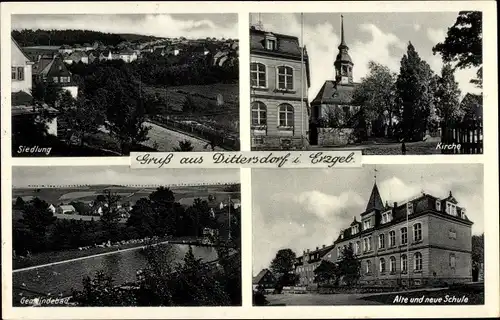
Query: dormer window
(438, 205)
(271, 43)
(366, 224)
(341, 234)
(451, 209)
(462, 213)
(386, 217)
(409, 208)
(354, 229)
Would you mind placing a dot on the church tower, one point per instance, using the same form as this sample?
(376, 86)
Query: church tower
(343, 63)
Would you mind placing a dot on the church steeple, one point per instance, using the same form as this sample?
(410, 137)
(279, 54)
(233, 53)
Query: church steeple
(375, 201)
(343, 62)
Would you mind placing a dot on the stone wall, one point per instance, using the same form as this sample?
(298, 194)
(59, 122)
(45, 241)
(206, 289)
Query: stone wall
(335, 136)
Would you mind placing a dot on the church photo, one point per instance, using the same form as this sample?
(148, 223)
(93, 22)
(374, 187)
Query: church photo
(382, 83)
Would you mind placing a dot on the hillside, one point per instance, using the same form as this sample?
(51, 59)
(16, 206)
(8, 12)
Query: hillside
(28, 37)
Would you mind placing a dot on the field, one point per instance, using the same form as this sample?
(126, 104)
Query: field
(203, 95)
(58, 196)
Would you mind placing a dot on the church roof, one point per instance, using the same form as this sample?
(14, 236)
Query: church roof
(375, 201)
(333, 93)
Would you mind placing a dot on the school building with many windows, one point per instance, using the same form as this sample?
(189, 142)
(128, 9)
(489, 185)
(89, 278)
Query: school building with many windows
(425, 241)
(279, 79)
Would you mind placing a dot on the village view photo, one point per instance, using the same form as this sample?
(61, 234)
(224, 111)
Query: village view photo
(377, 235)
(105, 85)
(112, 236)
(382, 83)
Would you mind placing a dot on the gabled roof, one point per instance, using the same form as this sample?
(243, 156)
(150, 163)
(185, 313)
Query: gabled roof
(20, 49)
(261, 275)
(335, 94)
(55, 68)
(41, 65)
(21, 98)
(375, 201)
(286, 44)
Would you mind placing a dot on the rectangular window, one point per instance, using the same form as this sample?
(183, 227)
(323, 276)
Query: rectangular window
(65, 79)
(381, 241)
(20, 73)
(366, 224)
(404, 235)
(14, 73)
(417, 232)
(453, 262)
(258, 75)
(392, 238)
(55, 79)
(271, 44)
(438, 205)
(285, 78)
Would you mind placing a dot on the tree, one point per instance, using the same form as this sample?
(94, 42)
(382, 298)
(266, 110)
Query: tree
(143, 218)
(102, 292)
(282, 266)
(415, 86)
(184, 146)
(477, 250)
(38, 217)
(349, 267)
(376, 94)
(80, 115)
(46, 92)
(463, 45)
(447, 95)
(110, 215)
(326, 272)
(19, 203)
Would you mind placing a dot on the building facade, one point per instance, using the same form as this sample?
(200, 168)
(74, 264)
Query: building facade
(279, 79)
(265, 279)
(308, 262)
(423, 242)
(332, 108)
(23, 108)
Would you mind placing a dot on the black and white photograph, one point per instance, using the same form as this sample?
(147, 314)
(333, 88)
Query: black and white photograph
(384, 83)
(109, 84)
(112, 236)
(378, 235)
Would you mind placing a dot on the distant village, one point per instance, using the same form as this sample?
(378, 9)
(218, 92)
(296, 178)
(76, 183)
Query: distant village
(129, 52)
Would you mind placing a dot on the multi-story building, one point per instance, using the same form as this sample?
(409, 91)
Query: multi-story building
(424, 241)
(308, 262)
(279, 78)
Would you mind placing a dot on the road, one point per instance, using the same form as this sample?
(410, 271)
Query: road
(412, 148)
(166, 140)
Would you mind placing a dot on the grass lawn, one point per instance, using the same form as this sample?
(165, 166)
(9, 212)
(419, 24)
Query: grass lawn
(441, 297)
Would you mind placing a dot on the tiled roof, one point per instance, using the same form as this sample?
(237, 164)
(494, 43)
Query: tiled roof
(375, 201)
(285, 44)
(258, 277)
(21, 98)
(40, 65)
(55, 68)
(330, 93)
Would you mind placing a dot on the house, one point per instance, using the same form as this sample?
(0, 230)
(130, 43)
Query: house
(23, 107)
(264, 279)
(279, 80)
(425, 241)
(308, 262)
(65, 49)
(332, 107)
(66, 209)
(128, 55)
(52, 208)
(77, 56)
(55, 71)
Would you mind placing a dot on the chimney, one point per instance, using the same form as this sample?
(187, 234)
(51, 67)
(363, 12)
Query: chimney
(324, 246)
(395, 204)
(307, 250)
(317, 248)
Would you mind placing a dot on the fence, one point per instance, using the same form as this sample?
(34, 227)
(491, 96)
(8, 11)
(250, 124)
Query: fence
(468, 134)
(218, 138)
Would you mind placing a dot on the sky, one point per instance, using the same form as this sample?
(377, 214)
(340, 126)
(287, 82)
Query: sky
(306, 208)
(218, 25)
(118, 175)
(381, 37)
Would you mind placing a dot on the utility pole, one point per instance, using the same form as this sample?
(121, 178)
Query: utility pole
(302, 78)
(229, 207)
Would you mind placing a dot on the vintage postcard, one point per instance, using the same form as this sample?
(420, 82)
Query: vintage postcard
(381, 82)
(387, 235)
(112, 236)
(251, 159)
(105, 85)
